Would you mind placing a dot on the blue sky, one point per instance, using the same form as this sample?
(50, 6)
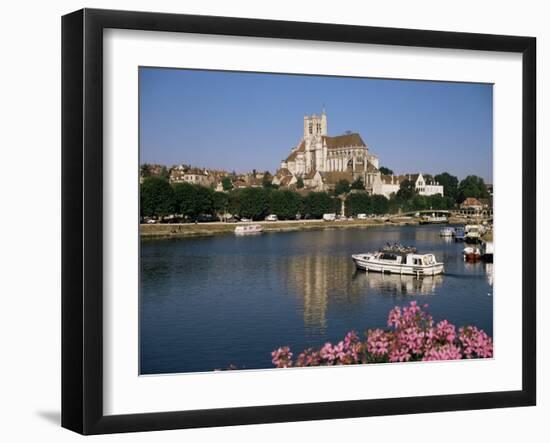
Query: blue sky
(244, 121)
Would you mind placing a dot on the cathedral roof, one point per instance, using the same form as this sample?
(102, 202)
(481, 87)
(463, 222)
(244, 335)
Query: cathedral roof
(341, 141)
(286, 180)
(336, 176)
(294, 153)
(283, 172)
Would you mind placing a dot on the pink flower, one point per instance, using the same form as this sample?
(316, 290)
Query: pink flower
(411, 335)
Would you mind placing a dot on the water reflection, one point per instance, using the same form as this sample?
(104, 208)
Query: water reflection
(403, 284)
(489, 273)
(321, 280)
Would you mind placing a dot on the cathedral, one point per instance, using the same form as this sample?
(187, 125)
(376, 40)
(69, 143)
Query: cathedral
(320, 160)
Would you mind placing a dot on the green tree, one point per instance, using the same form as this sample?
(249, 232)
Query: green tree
(385, 171)
(449, 183)
(359, 203)
(253, 203)
(145, 170)
(358, 184)
(164, 173)
(184, 198)
(300, 183)
(406, 190)
(285, 204)
(192, 201)
(472, 186)
(156, 197)
(220, 202)
(342, 187)
(380, 204)
(318, 203)
(227, 185)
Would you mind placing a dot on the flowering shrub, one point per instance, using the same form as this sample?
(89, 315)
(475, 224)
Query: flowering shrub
(412, 335)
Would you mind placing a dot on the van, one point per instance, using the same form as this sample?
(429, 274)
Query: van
(329, 217)
(361, 216)
(271, 217)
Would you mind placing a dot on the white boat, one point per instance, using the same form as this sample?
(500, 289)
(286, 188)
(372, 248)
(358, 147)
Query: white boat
(447, 232)
(399, 260)
(473, 233)
(433, 219)
(248, 229)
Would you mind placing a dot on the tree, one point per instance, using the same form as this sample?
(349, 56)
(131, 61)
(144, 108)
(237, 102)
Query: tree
(253, 203)
(164, 173)
(300, 183)
(192, 201)
(358, 184)
(183, 193)
(472, 186)
(156, 197)
(318, 203)
(379, 204)
(342, 187)
(360, 203)
(145, 170)
(220, 203)
(285, 204)
(385, 171)
(227, 185)
(449, 183)
(406, 191)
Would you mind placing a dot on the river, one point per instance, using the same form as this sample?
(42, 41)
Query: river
(208, 303)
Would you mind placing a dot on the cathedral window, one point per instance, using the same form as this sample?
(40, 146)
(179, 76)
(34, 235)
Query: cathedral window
(311, 128)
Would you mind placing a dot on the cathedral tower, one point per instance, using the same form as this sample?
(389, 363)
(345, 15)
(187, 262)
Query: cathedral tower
(315, 127)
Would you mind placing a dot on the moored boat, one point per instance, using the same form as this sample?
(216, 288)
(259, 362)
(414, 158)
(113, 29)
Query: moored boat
(433, 219)
(398, 260)
(248, 229)
(459, 234)
(471, 253)
(447, 232)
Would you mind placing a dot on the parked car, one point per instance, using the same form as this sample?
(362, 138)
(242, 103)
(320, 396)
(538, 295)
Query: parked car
(361, 216)
(329, 217)
(271, 217)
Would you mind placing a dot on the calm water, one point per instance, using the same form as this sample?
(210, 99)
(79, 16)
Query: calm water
(207, 303)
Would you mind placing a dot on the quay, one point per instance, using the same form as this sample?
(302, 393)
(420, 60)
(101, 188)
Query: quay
(177, 230)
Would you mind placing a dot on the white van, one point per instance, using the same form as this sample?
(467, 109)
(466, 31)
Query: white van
(271, 217)
(329, 217)
(361, 216)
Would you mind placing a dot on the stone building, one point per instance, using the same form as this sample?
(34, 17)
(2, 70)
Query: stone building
(321, 160)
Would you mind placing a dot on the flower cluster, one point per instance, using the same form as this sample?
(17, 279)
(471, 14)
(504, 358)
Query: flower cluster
(412, 335)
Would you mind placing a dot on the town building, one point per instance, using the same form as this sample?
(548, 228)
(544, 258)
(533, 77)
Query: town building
(194, 176)
(389, 184)
(320, 160)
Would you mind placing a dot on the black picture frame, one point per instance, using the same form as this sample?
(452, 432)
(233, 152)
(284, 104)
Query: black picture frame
(82, 218)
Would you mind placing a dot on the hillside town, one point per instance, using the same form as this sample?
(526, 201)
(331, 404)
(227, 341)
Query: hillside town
(320, 174)
(317, 163)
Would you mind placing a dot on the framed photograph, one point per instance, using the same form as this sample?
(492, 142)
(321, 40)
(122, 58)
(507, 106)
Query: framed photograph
(269, 221)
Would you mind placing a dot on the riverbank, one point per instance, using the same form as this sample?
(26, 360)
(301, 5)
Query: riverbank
(177, 230)
(219, 228)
